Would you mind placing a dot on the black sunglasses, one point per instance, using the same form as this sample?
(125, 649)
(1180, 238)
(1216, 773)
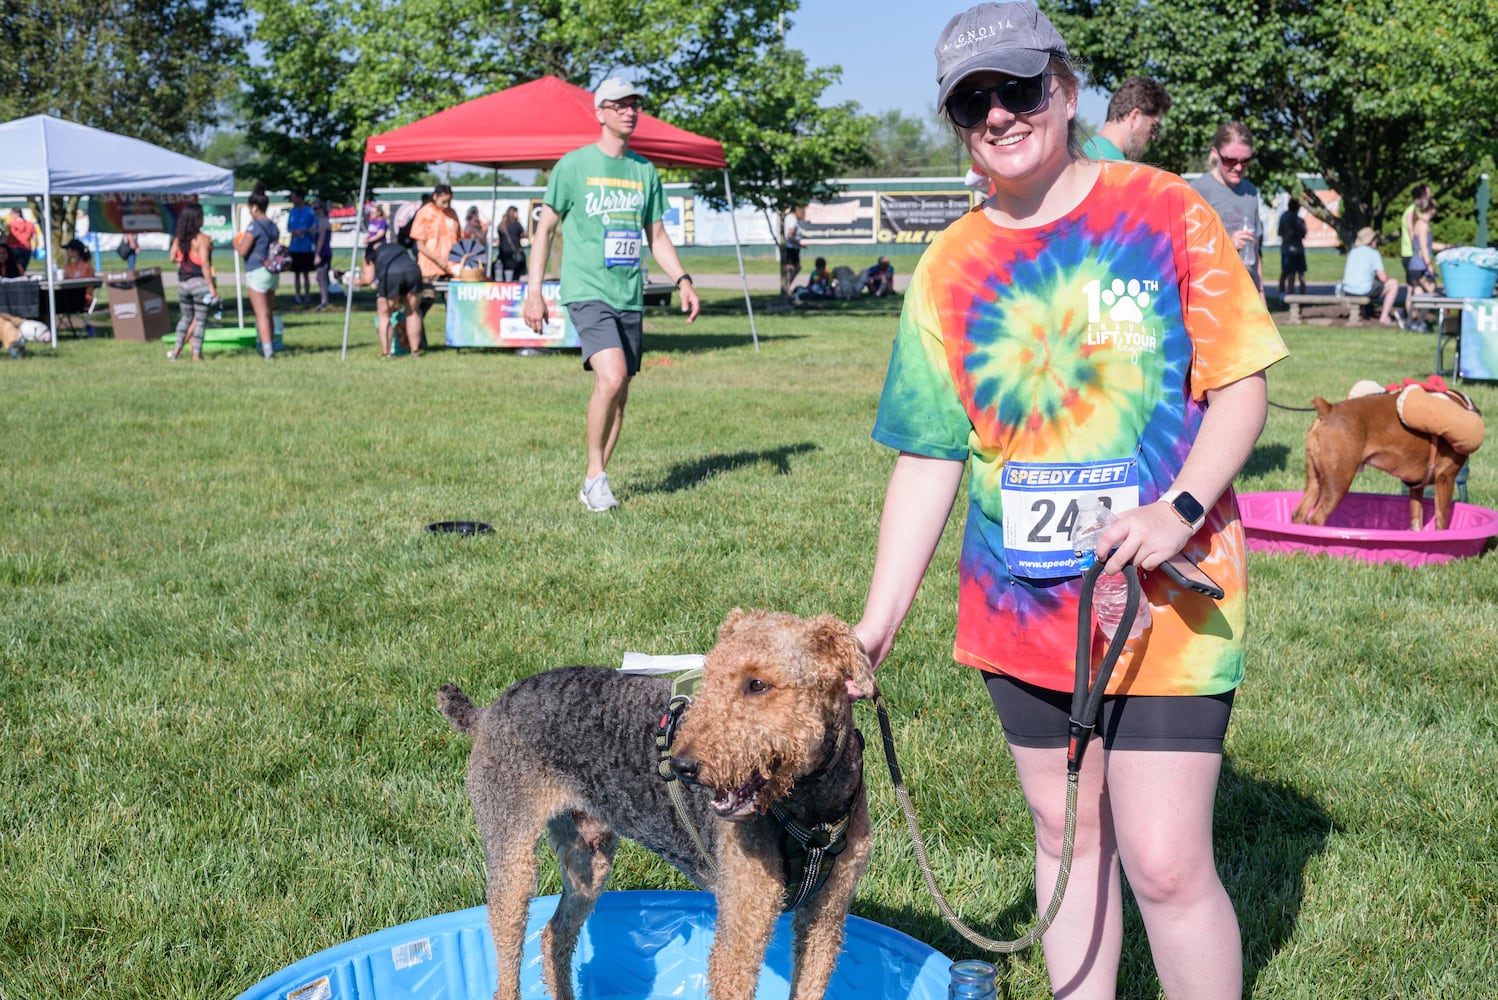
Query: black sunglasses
(1018, 95)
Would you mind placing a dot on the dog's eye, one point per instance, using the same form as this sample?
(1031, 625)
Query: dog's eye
(755, 686)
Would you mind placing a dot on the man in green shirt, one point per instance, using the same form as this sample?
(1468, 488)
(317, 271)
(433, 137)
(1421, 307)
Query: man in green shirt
(609, 201)
(1134, 116)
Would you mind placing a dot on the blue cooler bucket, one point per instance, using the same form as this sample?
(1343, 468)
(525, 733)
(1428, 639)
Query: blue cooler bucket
(1464, 280)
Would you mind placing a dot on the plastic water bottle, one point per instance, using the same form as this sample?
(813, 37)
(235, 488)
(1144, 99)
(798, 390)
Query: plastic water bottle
(1110, 594)
(973, 980)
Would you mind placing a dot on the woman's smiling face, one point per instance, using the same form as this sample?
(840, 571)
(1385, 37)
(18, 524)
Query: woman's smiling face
(1011, 148)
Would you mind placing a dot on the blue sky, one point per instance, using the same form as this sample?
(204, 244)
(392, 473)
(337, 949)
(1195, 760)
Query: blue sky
(887, 51)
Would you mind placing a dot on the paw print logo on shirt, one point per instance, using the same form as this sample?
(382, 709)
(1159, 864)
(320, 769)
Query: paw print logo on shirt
(1125, 302)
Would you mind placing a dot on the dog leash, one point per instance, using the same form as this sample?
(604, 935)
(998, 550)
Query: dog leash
(665, 732)
(1087, 697)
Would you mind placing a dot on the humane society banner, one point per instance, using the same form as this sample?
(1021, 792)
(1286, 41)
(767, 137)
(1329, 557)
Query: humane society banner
(1477, 351)
(488, 314)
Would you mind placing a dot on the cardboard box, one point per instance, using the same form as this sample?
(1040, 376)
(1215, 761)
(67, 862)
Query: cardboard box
(137, 304)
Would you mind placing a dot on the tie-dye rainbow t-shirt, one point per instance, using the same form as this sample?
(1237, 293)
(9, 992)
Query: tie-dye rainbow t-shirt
(1095, 337)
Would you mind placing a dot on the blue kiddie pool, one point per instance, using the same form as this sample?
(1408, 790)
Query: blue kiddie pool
(640, 945)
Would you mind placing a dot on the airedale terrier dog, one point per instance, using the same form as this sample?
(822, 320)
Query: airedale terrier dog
(775, 801)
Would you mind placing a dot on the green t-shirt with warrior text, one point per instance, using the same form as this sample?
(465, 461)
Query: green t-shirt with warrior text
(607, 205)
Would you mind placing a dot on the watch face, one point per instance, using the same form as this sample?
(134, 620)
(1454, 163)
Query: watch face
(1187, 506)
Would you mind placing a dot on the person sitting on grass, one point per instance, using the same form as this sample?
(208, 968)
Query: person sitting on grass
(1364, 274)
(819, 283)
(878, 279)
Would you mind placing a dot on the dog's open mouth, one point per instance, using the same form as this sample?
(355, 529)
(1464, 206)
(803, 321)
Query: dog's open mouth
(739, 803)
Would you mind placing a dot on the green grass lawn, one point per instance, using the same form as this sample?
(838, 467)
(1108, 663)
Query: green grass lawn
(225, 628)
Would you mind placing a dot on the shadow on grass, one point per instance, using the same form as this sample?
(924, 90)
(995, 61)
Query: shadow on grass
(686, 475)
(1266, 835)
(1265, 459)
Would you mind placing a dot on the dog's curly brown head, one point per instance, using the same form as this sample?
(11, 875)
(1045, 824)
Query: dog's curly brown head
(773, 699)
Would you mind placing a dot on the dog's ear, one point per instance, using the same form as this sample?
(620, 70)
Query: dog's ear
(835, 639)
(730, 623)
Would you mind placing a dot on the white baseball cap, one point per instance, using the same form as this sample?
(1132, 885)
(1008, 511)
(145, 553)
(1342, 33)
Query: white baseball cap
(614, 89)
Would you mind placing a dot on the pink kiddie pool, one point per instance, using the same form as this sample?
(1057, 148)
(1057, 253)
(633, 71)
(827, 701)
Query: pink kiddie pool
(1373, 527)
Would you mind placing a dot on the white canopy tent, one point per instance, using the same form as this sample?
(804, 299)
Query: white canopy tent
(49, 156)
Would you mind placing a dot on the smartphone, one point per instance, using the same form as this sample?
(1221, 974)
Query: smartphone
(1189, 575)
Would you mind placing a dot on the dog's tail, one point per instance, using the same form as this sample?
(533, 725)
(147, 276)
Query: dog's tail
(454, 704)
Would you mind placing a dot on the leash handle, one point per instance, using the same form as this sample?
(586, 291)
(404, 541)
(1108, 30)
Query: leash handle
(1087, 691)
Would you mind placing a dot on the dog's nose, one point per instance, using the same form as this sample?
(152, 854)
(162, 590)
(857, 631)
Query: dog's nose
(685, 768)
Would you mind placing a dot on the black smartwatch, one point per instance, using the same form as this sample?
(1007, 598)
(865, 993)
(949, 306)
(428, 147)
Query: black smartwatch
(1186, 507)
(684, 277)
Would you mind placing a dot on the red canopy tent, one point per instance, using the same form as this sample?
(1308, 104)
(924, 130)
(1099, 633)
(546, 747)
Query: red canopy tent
(532, 125)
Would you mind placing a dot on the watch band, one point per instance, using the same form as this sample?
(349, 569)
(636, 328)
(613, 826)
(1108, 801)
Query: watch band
(684, 277)
(1186, 507)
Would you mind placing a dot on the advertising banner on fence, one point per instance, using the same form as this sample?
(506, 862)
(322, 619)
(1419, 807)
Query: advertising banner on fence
(123, 212)
(488, 314)
(917, 216)
(848, 219)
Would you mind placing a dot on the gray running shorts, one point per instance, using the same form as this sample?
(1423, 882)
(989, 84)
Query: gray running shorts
(600, 326)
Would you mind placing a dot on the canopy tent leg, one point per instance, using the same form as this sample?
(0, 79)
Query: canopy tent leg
(353, 260)
(739, 251)
(492, 233)
(238, 260)
(51, 266)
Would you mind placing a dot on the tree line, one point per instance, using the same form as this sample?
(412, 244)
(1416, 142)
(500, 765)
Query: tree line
(1374, 98)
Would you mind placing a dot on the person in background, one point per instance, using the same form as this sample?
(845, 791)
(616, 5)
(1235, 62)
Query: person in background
(397, 283)
(1010, 368)
(252, 245)
(1421, 267)
(322, 254)
(1292, 230)
(301, 226)
(1407, 229)
(21, 239)
(128, 250)
(378, 227)
(9, 266)
(602, 281)
(1364, 274)
(1233, 197)
(819, 283)
(511, 235)
(80, 264)
(434, 230)
(793, 241)
(878, 279)
(474, 226)
(1134, 115)
(197, 283)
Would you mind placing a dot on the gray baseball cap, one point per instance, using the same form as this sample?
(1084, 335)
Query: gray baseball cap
(1012, 38)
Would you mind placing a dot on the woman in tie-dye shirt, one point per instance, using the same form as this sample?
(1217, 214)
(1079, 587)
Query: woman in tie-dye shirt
(1088, 330)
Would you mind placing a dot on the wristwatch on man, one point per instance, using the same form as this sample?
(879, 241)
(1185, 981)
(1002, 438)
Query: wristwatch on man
(684, 277)
(1186, 507)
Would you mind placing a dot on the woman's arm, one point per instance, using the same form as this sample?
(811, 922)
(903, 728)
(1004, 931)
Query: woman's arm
(203, 246)
(916, 506)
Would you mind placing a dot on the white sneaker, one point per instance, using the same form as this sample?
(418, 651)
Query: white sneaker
(596, 495)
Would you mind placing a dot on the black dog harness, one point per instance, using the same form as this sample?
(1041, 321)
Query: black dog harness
(807, 853)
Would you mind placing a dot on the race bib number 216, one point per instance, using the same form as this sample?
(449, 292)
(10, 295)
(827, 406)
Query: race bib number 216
(621, 247)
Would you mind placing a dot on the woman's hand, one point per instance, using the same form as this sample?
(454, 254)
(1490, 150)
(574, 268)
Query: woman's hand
(1145, 536)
